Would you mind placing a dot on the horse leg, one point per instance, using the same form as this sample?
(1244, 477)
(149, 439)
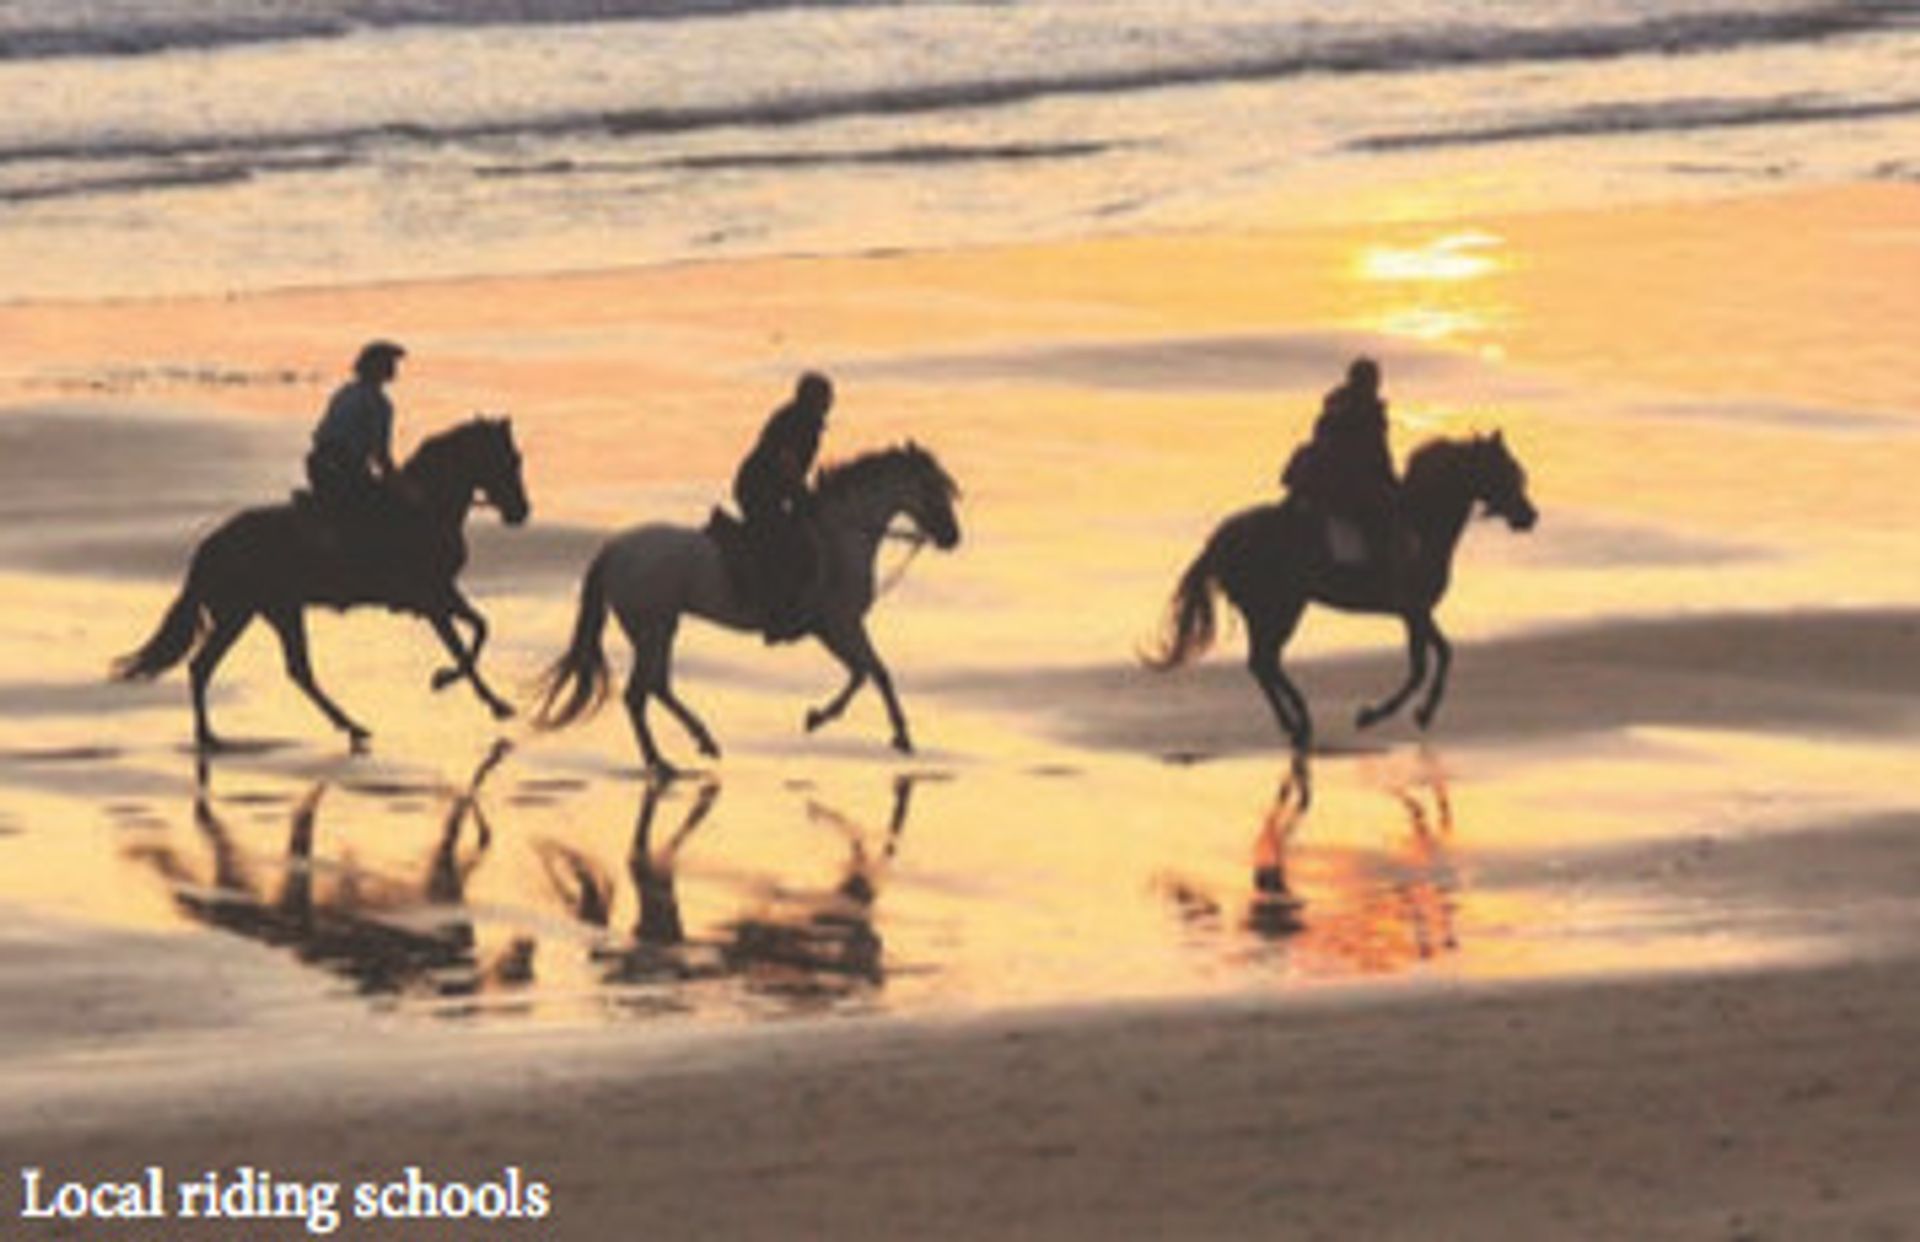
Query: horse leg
(442, 623)
(832, 709)
(1443, 660)
(851, 646)
(470, 660)
(1416, 673)
(291, 625)
(227, 628)
(1267, 633)
(636, 698)
(657, 645)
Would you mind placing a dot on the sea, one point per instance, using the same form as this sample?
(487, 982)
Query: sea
(154, 147)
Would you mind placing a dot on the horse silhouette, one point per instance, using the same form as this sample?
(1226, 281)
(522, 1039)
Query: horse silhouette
(276, 561)
(1271, 561)
(651, 576)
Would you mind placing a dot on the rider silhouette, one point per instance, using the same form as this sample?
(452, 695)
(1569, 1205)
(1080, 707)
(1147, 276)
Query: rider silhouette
(351, 462)
(771, 489)
(1347, 468)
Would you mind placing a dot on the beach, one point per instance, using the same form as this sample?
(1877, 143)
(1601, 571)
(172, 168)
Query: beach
(1623, 946)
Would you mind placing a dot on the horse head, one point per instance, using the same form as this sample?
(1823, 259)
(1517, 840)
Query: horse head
(931, 497)
(906, 479)
(496, 463)
(477, 456)
(1500, 482)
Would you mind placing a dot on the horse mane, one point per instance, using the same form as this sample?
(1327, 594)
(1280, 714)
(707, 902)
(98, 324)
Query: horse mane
(836, 480)
(1443, 464)
(1439, 451)
(440, 443)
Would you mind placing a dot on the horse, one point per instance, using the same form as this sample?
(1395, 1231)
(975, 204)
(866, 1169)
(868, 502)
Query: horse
(276, 561)
(652, 575)
(1272, 560)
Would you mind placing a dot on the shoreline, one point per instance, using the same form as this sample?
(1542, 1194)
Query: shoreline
(1433, 215)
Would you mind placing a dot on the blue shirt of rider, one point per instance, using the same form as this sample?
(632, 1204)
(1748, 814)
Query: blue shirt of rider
(357, 427)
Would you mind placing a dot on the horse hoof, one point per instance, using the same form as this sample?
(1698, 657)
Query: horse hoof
(358, 740)
(502, 711)
(442, 678)
(902, 745)
(709, 749)
(1366, 718)
(815, 718)
(1423, 719)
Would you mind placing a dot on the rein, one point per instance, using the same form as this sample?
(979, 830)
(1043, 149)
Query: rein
(917, 542)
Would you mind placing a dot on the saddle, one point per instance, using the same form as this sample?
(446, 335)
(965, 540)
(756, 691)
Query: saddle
(363, 564)
(319, 527)
(753, 573)
(1344, 540)
(729, 534)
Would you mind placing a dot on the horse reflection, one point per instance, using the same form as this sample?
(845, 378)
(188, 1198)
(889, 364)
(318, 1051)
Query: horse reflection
(821, 943)
(1274, 911)
(658, 950)
(802, 947)
(1345, 911)
(386, 936)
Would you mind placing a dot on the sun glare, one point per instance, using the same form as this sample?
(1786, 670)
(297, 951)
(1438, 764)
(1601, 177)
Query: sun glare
(1452, 258)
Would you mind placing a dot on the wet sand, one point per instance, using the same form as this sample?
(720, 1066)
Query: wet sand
(1776, 1104)
(1624, 949)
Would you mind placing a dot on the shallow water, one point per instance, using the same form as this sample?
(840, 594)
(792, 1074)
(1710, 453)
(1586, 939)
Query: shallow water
(1103, 407)
(546, 882)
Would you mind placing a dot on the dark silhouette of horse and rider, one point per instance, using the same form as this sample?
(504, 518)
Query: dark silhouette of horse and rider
(368, 533)
(802, 565)
(799, 561)
(1351, 536)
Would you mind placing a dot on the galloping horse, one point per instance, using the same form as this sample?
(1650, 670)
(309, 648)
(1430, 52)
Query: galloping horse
(1272, 560)
(273, 562)
(652, 575)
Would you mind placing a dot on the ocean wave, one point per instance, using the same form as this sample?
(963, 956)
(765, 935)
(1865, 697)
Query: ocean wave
(196, 175)
(1665, 116)
(908, 155)
(44, 35)
(1279, 49)
(1297, 52)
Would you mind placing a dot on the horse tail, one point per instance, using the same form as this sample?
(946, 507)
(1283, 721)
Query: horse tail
(575, 685)
(179, 632)
(1188, 628)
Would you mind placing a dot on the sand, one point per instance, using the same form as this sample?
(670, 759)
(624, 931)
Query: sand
(1775, 1105)
(1625, 949)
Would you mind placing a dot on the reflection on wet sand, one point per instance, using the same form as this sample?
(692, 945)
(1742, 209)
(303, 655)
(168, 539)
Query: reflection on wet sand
(407, 934)
(820, 944)
(1341, 910)
(387, 936)
(805, 948)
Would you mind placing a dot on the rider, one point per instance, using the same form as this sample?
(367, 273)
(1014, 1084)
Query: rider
(1347, 468)
(771, 489)
(351, 463)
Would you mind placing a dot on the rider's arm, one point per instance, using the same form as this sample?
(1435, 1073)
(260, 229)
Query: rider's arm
(382, 416)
